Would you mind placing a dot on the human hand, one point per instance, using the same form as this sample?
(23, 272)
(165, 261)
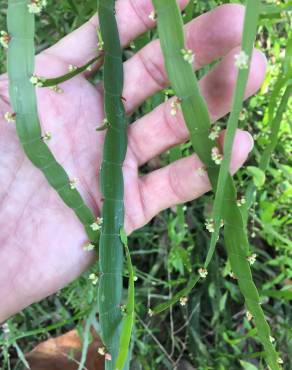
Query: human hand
(41, 239)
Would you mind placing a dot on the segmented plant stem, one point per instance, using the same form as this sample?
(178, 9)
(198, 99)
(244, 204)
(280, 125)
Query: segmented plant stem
(184, 83)
(112, 186)
(21, 58)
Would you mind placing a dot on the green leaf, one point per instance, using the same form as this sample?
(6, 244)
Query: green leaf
(247, 366)
(258, 175)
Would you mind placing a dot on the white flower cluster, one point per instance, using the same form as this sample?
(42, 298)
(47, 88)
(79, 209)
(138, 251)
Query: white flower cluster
(10, 117)
(96, 226)
(57, 89)
(4, 39)
(241, 201)
(183, 301)
(241, 60)
(73, 183)
(152, 16)
(103, 352)
(37, 80)
(94, 278)
(100, 40)
(88, 247)
(188, 55)
(47, 137)
(36, 6)
(210, 225)
(249, 316)
(203, 272)
(217, 157)
(251, 259)
(72, 68)
(175, 105)
(214, 133)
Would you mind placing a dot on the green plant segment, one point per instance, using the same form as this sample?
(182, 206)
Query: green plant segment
(196, 116)
(115, 146)
(75, 71)
(129, 310)
(21, 28)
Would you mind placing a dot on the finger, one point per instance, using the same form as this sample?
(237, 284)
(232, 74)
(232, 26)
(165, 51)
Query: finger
(81, 45)
(210, 36)
(183, 180)
(157, 131)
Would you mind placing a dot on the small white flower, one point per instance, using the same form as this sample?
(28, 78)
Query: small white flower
(47, 137)
(72, 68)
(217, 157)
(101, 351)
(214, 133)
(175, 105)
(100, 41)
(210, 225)
(241, 60)
(36, 6)
(104, 124)
(201, 171)
(57, 89)
(249, 316)
(96, 226)
(183, 301)
(272, 339)
(188, 55)
(203, 272)
(232, 275)
(241, 201)
(73, 183)
(94, 278)
(37, 80)
(10, 117)
(4, 39)
(123, 308)
(135, 278)
(89, 69)
(150, 312)
(280, 361)
(88, 247)
(251, 259)
(5, 328)
(152, 16)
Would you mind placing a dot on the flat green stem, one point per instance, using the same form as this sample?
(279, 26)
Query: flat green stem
(21, 59)
(195, 111)
(112, 186)
(51, 82)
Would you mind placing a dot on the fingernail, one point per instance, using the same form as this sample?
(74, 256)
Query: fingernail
(246, 140)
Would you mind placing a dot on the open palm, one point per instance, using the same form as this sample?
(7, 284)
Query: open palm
(41, 240)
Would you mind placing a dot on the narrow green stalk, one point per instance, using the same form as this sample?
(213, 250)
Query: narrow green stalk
(129, 311)
(21, 58)
(112, 187)
(51, 82)
(178, 65)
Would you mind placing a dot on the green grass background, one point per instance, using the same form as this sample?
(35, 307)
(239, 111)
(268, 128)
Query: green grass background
(211, 331)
